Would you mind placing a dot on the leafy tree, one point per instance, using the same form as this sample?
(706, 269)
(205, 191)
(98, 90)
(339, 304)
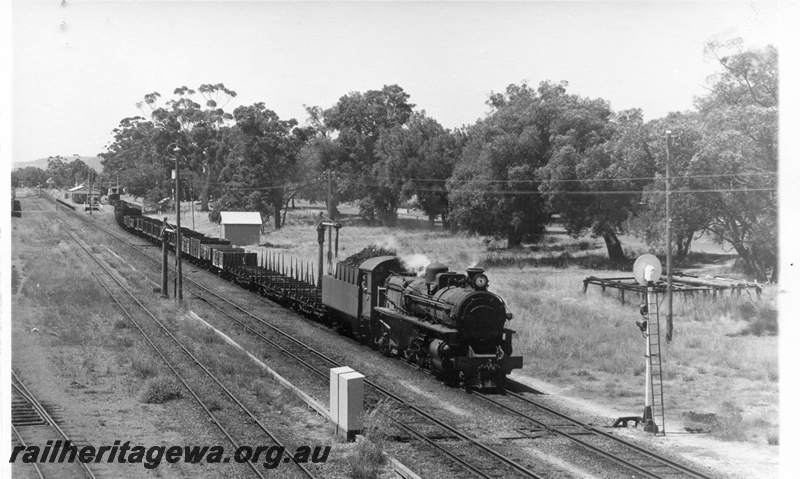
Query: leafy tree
(66, 173)
(415, 160)
(582, 177)
(30, 176)
(322, 161)
(495, 188)
(690, 202)
(199, 133)
(357, 121)
(739, 152)
(136, 155)
(262, 162)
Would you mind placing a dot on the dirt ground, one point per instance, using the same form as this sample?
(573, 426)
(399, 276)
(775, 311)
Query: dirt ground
(739, 459)
(91, 387)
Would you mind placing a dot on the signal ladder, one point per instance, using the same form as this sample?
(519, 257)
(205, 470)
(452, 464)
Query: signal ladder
(654, 360)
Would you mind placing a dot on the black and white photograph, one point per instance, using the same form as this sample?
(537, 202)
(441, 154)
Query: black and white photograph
(417, 239)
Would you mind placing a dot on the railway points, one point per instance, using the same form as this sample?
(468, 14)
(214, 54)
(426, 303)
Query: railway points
(446, 437)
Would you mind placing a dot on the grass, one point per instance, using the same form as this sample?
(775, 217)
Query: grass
(588, 343)
(145, 367)
(159, 390)
(368, 459)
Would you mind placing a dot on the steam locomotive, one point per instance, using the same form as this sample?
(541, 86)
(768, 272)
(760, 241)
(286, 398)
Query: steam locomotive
(446, 322)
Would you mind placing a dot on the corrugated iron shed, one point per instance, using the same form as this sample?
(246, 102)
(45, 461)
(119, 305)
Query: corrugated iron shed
(240, 217)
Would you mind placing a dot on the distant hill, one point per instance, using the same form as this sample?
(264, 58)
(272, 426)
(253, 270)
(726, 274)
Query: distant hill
(92, 161)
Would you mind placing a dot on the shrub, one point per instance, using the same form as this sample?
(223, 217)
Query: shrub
(368, 459)
(144, 367)
(773, 438)
(160, 390)
(367, 462)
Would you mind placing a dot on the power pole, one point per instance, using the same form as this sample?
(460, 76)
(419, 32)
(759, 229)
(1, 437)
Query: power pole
(90, 192)
(330, 199)
(179, 280)
(669, 137)
(164, 262)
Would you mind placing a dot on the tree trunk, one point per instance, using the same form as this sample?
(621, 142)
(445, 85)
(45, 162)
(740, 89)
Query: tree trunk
(682, 244)
(276, 209)
(204, 192)
(774, 277)
(614, 247)
(432, 221)
(514, 240)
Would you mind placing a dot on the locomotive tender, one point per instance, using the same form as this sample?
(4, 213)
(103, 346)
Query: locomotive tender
(446, 322)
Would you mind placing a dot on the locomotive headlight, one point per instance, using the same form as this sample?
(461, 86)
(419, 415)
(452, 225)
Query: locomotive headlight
(481, 281)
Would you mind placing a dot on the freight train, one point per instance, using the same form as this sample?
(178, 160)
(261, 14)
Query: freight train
(446, 322)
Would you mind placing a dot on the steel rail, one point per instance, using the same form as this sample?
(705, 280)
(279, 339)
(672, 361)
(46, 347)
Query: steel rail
(641, 450)
(168, 363)
(583, 443)
(25, 445)
(323, 375)
(214, 378)
(462, 436)
(509, 462)
(26, 393)
(205, 408)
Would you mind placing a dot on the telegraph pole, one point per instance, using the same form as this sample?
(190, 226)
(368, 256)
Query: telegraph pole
(90, 192)
(669, 137)
(179, 282)
(164, 262)
(330, 199)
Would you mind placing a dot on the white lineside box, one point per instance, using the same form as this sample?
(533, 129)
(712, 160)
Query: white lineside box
(334, 397)
(351, 404)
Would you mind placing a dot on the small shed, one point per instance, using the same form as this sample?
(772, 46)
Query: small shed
(240, 227)
(80, 194)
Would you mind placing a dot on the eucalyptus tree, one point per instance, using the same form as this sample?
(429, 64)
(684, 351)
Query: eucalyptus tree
(497, 185)
(739, 152)
(134, 155)
(28, 176)
(197, 133)
(66, 172)
(415, 160)
(261, 168)
(354, 125)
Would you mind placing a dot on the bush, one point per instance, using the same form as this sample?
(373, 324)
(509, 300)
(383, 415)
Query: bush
(144, 367)
(160, 390)
(368, 460)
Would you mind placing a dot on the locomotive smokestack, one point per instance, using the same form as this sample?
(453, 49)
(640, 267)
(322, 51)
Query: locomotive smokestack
(472, 272)
(476, 278)
(432, 270)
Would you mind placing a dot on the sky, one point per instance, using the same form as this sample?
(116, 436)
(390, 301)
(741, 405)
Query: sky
(79, 67)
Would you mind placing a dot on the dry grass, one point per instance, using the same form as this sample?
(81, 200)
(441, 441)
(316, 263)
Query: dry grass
(368, 460)
(724, 349)
(160, 390)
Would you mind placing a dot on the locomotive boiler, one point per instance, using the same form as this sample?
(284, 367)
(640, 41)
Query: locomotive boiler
(450, 323)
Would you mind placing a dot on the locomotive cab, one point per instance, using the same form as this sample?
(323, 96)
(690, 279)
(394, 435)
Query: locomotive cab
(450, 322)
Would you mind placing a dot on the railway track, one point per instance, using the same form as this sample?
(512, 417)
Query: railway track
(32, 425)
(548, 421)
(623, 455)
(466, 452)
(241, 428)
